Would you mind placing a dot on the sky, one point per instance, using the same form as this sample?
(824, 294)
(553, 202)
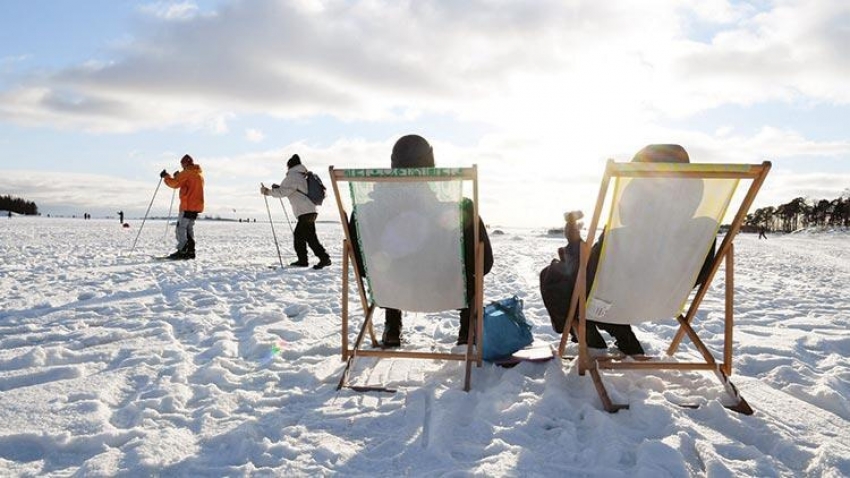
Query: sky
(97, 96)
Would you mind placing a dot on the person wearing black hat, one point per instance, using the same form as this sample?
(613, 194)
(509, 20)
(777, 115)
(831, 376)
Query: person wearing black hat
(413, 151)
(294, 187)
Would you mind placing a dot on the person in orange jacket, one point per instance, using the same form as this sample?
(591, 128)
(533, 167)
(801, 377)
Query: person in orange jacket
(190, 181)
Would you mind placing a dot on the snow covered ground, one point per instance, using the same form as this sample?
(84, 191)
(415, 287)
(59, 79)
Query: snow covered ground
(114, 364)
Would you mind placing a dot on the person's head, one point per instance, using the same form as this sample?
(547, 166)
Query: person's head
(662, 153)
(186, 161)
(293, 161)
(655, 192)
(412, 151)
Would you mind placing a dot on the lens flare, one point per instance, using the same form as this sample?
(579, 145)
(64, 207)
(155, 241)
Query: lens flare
(275, 350)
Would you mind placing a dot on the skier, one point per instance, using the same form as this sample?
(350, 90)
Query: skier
(191, 184)
(294, 187)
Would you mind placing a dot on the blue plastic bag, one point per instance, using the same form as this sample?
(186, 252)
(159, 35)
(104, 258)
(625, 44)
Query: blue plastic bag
(505, 329)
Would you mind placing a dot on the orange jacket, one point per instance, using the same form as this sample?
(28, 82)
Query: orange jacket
(191, 184)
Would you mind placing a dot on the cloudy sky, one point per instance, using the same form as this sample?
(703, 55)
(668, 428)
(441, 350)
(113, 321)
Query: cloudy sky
(97, 96)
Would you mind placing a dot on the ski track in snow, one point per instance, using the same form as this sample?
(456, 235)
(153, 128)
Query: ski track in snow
(115, 364)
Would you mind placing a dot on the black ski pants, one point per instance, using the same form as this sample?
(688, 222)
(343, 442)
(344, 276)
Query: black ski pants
(305, 235)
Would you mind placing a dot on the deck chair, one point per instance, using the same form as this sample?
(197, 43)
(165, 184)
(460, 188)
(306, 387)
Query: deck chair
(662, 221)
(410, 238)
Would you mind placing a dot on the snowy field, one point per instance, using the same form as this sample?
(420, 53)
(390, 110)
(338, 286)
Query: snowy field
(112, 364)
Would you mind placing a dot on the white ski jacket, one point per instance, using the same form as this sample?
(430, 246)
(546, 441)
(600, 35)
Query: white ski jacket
(294, 187)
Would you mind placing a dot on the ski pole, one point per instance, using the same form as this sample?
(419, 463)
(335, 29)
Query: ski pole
(287, 216)
(274, 235)
(146, 216)
(170, 207)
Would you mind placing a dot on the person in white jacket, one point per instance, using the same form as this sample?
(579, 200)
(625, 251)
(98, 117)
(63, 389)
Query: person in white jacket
(294, 187)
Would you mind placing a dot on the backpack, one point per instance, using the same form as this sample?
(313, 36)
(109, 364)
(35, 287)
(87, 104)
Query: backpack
(315, 188)
(506, 329)
(556, 287)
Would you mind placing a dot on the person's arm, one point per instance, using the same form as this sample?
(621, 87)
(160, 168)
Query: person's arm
(168, 180)
(469, 249)
(488, 250)
(593, 260)
(288, 186)
(355, 244)
(706, 265)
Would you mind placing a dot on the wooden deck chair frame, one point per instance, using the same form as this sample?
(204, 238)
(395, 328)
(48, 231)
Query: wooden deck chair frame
(473, 354)
(722, 368)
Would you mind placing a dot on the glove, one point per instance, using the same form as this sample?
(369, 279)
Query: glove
(264, 190)
(163, 173)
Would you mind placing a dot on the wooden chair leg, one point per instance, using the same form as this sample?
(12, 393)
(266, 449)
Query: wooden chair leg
(345, 248)
(740, 405)
(352, 354)
(609, 405)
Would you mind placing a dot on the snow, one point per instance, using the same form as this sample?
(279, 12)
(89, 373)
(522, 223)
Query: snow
(114, 364)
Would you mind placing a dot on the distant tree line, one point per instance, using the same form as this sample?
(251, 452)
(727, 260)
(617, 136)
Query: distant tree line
(803, 213)
(18, 205)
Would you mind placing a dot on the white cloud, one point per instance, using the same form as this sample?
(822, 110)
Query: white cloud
(171, 11)
(720, 11)
(794, 52)
(531, 69)
(512, 64)
(254, 135)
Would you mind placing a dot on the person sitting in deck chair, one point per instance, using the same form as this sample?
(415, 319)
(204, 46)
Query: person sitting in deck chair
(413, 151)
(557, 279)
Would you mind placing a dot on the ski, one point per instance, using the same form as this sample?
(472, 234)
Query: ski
(167, 258)
(294, 268)
(369, 388)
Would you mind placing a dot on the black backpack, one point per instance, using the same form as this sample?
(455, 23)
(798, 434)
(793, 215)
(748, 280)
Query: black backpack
(556, 287)
(315, 188)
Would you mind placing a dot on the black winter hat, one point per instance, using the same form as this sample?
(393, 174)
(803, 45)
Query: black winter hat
(294, 160)
(662, 153)
(412, 151)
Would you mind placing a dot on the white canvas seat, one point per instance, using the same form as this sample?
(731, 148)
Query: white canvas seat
(409, 225)
(661, 224)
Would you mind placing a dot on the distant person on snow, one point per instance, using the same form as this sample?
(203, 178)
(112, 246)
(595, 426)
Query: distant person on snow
(762, 234)
(294, 187)
(121, 217)
(190, 181)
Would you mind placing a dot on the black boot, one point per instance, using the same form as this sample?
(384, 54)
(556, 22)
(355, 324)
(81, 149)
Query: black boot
(185, 252)
(392, 328)
(300, 263)
(323, 262)
(463, 333)
(177, 255)
(190, 248)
